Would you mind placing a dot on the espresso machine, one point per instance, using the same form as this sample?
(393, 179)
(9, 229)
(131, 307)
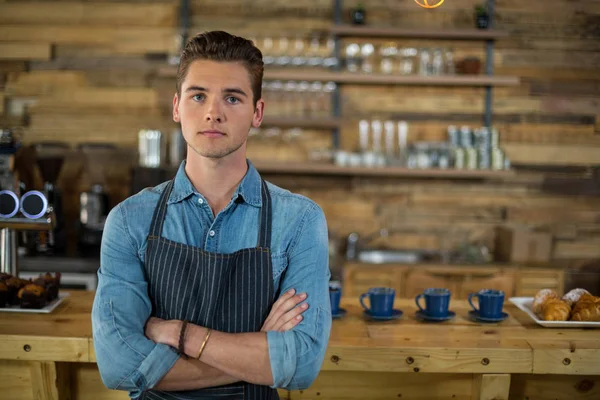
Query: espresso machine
(94, 203)
(19, 212)
(50, 158)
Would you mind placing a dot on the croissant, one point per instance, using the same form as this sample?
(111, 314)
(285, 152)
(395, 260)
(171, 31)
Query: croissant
(574, 296)
(588, 297)
(587, 311)
(541, 298)
(556, 310)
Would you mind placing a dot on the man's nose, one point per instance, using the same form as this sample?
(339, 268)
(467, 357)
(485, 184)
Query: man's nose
(214, 112)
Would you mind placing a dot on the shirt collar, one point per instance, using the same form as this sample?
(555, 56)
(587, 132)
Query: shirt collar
(249, 190)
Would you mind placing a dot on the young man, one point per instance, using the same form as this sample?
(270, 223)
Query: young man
(205, 280)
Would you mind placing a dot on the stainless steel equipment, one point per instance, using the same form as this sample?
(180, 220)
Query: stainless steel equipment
(357, 249)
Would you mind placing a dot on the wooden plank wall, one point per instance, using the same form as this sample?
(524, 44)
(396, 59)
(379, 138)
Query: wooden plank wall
(88, 71)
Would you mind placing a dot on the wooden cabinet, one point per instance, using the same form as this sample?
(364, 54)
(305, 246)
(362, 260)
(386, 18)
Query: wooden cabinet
(417, 281)
(530, 280)
(504, 281)
(374, 276)
(409, 281)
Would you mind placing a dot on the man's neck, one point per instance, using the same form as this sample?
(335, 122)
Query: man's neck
(216, 179)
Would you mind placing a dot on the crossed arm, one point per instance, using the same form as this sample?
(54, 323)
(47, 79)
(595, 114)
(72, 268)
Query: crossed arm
(226, 358)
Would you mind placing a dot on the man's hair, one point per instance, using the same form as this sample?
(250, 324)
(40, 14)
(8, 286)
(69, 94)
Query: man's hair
(222, 46)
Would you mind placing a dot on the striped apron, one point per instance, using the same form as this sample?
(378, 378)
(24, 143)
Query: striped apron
(226, 292)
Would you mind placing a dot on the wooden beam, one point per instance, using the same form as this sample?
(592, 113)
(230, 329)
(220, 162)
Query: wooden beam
(137, 40)
(491, 387)
(74, 13)
(50, 380)
(548, 154)
(36, 83)
(25, 51)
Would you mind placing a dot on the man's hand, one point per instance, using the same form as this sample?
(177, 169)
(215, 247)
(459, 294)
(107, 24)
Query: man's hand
(285, 314)
(163, 331)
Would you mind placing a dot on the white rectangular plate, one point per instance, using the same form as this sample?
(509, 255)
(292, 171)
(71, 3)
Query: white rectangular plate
(525, 304)
(46, 310)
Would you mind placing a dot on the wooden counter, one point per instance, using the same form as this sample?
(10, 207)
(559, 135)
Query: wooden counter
(52, 357)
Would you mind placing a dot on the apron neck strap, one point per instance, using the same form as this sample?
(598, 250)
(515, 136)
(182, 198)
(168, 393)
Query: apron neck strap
(264, 232)
(161, 211)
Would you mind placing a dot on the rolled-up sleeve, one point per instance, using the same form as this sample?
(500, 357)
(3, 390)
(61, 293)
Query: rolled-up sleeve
(297, 355)
(126, 358)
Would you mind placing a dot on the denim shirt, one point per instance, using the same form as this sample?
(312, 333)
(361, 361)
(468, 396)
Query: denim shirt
(128, 360)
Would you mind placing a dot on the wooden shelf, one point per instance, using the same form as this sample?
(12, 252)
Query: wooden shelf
(299, 122)
(380, 79)
(384, 172)
(417, 33)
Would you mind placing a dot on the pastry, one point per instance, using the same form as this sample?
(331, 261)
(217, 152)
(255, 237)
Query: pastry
(14, 285)
(541, 298)
(587, 311)
(588, 297)
(556, 310)
(4, 276)
(3, 294)
(50, 283)
(574, 295)
(33, 296)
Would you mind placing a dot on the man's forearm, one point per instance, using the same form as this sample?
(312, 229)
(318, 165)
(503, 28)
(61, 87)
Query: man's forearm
(244, 356)
(193, 374)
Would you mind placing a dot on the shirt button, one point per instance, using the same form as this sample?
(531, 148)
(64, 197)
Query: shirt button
(200, 201)
(211, 233)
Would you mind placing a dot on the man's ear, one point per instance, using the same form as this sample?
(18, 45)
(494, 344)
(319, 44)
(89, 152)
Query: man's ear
(176, 117)
(259, 112)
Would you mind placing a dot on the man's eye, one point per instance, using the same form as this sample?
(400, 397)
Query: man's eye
(233, 100)
(198, 97)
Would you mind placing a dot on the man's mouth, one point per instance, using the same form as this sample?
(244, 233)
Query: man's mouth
(212, 133)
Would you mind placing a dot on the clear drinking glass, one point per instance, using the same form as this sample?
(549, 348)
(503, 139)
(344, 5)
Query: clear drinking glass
(315, 58)
(299, 57)
(318, 99)
(353, 60)
(368, 58)
(437, 62)
(424, 62)
(407, 60)
(388, 53)
(450, 66)
(283, 49)
(267, 48)
(304, 98)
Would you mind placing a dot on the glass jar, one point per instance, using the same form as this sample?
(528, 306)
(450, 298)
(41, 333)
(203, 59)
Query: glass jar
(424, 62)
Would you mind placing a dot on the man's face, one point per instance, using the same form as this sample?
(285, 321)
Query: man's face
(215, 108)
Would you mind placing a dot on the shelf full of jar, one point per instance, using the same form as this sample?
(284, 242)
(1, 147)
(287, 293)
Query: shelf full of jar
(391, 144)
(391, 63)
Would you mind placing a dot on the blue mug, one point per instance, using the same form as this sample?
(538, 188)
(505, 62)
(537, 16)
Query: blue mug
(437, 301)
(490, 303)
(335, 294)
(381, 300)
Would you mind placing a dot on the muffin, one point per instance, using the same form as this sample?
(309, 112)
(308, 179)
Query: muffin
(3, 294)
(50, 283)
(4, 276)
(14, 285)
(32, 296)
